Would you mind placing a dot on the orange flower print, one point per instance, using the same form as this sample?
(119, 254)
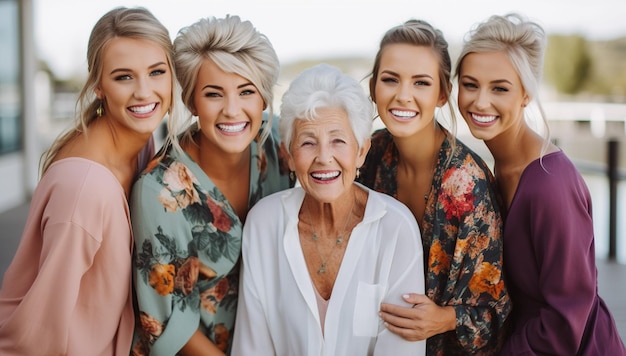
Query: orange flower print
(167, 200)
(161, 278)
(187, 275)
(221, 337)
(208, 303)
(151, 327)
(439, 261)
(180, 181)
(214, 295)
(487, 279)
(221, 221)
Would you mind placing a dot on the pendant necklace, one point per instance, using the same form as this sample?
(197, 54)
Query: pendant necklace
(338, 241)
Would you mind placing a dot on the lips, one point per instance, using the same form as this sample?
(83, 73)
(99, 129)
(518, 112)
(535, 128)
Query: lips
(484, 119)
(403, 114)
(143, 109)
(232, 128)
(324, 176)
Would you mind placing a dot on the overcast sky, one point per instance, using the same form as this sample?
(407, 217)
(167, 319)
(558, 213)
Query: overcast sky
(314, 29)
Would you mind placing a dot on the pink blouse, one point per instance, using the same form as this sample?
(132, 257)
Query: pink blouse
(68, 288)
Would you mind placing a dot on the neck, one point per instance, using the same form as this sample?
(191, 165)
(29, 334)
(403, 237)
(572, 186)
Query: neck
(421, 151)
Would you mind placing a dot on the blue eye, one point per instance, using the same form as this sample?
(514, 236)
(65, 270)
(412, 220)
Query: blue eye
(124, 77)
(158, 72)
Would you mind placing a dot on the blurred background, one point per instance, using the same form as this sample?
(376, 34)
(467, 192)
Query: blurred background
(43, 65)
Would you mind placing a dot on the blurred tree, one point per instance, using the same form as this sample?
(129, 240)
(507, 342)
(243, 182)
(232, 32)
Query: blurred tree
(567, 63)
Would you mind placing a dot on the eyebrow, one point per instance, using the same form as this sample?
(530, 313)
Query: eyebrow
(386, 71)
(158, 64)
(217, 87)
(497, 81)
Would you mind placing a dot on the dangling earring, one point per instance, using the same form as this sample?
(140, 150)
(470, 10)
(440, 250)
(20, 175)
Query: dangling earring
(100, 110)
(292, 176)
(358, 172)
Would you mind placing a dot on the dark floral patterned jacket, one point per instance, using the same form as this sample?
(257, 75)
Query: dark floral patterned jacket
(462, 240)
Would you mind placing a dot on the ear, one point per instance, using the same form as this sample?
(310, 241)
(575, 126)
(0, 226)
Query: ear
(526, 100)
(444, 94)
(362, 154)
(98, 92)
(372, 90)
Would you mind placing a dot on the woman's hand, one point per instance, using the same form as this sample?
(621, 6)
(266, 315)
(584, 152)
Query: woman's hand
(420, 322)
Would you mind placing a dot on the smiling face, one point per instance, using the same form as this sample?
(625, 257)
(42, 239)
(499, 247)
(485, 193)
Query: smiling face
(325, 154)
(491, 95)
(229, 109)
(136, 85)
(407, 88)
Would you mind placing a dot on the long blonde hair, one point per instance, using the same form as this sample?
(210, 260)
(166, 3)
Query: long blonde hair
(137, 23)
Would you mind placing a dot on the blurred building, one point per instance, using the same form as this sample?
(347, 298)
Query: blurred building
(18, 159)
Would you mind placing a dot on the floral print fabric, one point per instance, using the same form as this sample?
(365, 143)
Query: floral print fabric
(187, 249)
(462, 241)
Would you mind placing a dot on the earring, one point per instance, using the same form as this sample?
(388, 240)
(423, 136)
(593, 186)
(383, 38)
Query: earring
(100, 110)
(358, 172)
(292, 176)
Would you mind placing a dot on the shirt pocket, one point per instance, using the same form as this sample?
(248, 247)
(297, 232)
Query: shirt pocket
(368, 298)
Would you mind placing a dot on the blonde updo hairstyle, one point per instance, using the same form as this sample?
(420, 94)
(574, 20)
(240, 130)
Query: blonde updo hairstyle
(235, 46)
(523, 42)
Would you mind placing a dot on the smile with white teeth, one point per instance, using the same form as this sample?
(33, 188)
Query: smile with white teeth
(232, 128)
(142, 109)
(484, 118)
(325, 176)
(402, 113)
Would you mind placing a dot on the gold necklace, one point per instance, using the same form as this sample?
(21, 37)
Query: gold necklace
(338, 241)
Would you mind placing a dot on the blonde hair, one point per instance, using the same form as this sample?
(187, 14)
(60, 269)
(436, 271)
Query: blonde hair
(523, 42)
(235, 46)
(137, 23)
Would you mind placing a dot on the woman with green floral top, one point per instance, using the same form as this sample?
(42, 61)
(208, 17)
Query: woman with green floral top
(450, 191)
(189, 206)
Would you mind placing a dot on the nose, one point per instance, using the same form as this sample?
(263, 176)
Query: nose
(404, 94)
(232, 106)
(324, 154)
(482, 100)
(143, 89)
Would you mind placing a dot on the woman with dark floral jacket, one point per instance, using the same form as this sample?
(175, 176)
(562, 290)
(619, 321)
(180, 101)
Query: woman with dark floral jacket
(450, 191)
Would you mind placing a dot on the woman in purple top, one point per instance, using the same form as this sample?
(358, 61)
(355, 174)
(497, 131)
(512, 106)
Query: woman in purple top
(548, 234)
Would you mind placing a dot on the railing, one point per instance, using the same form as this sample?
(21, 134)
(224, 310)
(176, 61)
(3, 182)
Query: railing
(614, 176)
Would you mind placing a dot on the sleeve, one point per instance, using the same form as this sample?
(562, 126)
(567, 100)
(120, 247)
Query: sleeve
(406, 274)
(252, 333)
(67, 253)
(479, 297)
(165, 322)
(562, 236)
(44, 317)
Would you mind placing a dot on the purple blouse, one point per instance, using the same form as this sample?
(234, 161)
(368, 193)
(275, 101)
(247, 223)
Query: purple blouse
(549, 263)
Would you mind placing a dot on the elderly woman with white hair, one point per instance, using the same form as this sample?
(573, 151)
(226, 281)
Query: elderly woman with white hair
(318, 259)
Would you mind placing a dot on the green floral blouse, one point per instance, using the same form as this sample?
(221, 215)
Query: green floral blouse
(462, 241)
(187, 249)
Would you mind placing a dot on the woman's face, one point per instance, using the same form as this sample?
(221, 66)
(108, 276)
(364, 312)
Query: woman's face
(229, 109)
(136, 84)
(491, 95)
(325, 154)
(407, 88)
